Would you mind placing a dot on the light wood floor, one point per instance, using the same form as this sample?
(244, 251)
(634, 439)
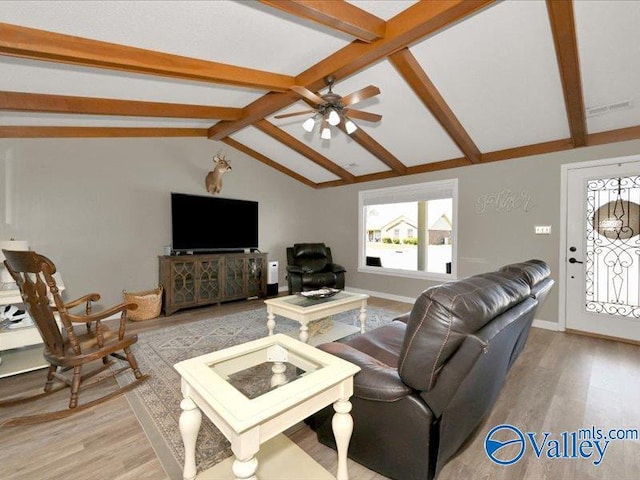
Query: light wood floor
(561, 382)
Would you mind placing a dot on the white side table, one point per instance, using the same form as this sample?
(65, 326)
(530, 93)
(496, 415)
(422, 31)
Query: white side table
(297, 380)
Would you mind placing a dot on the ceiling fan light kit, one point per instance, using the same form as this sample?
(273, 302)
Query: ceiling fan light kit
(334, 118)
(309, 123)
(350, 126)
(325, 131)
(331, 108)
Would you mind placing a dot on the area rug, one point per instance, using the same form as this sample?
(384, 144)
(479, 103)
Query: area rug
(156, 402)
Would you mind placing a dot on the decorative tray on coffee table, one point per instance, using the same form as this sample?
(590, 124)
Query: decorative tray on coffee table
(324, 292)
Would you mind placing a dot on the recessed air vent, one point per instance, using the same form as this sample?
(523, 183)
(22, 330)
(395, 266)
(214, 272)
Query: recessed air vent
(613, 107)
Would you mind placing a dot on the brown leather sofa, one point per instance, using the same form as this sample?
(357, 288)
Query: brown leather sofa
(430, 377)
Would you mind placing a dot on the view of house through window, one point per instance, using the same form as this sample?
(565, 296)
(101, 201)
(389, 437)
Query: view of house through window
(410, 236)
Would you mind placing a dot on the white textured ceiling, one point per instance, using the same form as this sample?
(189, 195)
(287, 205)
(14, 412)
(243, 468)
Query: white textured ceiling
(609, 48)
(496, 70)
(498, 73)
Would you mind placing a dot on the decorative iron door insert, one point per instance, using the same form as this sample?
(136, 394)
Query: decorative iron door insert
(602, 248)
(612, 266)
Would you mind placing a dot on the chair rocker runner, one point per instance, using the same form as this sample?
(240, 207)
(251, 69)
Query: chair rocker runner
(67, 349)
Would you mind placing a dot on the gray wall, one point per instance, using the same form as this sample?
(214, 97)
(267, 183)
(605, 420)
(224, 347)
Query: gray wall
(485, 241)
(100, 209)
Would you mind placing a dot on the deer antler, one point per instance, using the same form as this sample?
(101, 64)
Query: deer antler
(219, 156)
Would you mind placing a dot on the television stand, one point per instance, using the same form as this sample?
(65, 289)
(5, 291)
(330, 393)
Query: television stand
(206, 279)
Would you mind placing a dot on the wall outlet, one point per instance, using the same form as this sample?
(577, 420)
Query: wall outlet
(543, 229)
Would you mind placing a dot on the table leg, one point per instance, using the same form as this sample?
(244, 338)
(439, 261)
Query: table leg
(363, 316)
(278, 378)
(271, 322)
(342, 425)
(190, 420)
(245, 469)
(304, 333)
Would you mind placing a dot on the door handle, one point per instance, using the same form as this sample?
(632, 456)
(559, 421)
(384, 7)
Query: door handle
(573, 260)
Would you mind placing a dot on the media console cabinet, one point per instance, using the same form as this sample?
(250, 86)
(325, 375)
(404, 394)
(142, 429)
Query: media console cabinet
(197, 280)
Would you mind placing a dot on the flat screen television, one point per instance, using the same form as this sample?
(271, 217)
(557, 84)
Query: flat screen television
(213, 224)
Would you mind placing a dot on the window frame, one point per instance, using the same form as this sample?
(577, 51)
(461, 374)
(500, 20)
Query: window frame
(415, 192)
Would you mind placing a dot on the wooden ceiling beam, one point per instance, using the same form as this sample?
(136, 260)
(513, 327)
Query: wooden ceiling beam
(496, 156)
(267, 161)
(363, 139)
(414, 23)
(97, 132)
(37, 102)
(335, 14)
(409, 68)
(37, 44)
(613, 136)
(528, 150)
(566, 44)
(601, 138)
(303, 149)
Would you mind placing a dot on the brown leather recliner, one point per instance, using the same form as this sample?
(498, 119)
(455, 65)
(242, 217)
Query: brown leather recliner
(310, 266)
(428, 379)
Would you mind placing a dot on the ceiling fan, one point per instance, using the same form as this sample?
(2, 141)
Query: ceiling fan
(331, 108)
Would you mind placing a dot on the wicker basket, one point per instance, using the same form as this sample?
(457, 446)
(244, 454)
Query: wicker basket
(149, 304)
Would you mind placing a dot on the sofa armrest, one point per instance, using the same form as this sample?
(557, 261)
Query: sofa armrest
(294, 269)
(404, 318)
(375, 381)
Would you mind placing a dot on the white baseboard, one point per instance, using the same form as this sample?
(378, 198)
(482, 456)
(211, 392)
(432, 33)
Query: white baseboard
(547, 325)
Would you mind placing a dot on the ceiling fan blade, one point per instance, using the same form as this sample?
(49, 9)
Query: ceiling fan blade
(359, 114)
(362, 94)
(308, 94)
(287, 115)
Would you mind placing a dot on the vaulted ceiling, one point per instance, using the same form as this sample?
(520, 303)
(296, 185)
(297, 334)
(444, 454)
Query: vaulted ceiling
(462, 82)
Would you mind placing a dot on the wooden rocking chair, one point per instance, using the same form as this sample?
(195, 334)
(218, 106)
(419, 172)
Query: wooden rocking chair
(68, 349)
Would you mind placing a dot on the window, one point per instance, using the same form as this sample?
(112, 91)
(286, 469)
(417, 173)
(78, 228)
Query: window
(409, 231)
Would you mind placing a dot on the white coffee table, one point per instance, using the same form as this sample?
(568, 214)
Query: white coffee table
(304, 310)
(297, 379)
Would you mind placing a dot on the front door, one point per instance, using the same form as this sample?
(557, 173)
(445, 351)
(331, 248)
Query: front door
(602, 253)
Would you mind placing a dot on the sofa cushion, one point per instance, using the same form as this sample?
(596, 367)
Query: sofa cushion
(312, 257)
(444, 315)
(533, 271)
(317, 280)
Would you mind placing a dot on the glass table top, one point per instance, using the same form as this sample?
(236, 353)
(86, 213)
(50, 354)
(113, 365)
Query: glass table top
(259, 372)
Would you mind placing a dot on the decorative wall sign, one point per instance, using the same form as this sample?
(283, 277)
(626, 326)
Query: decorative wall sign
(505, 201)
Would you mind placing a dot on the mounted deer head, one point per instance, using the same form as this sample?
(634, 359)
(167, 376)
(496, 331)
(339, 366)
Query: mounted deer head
(213, 182)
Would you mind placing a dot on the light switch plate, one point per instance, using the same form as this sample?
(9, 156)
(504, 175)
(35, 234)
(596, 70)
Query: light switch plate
(543, 229)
